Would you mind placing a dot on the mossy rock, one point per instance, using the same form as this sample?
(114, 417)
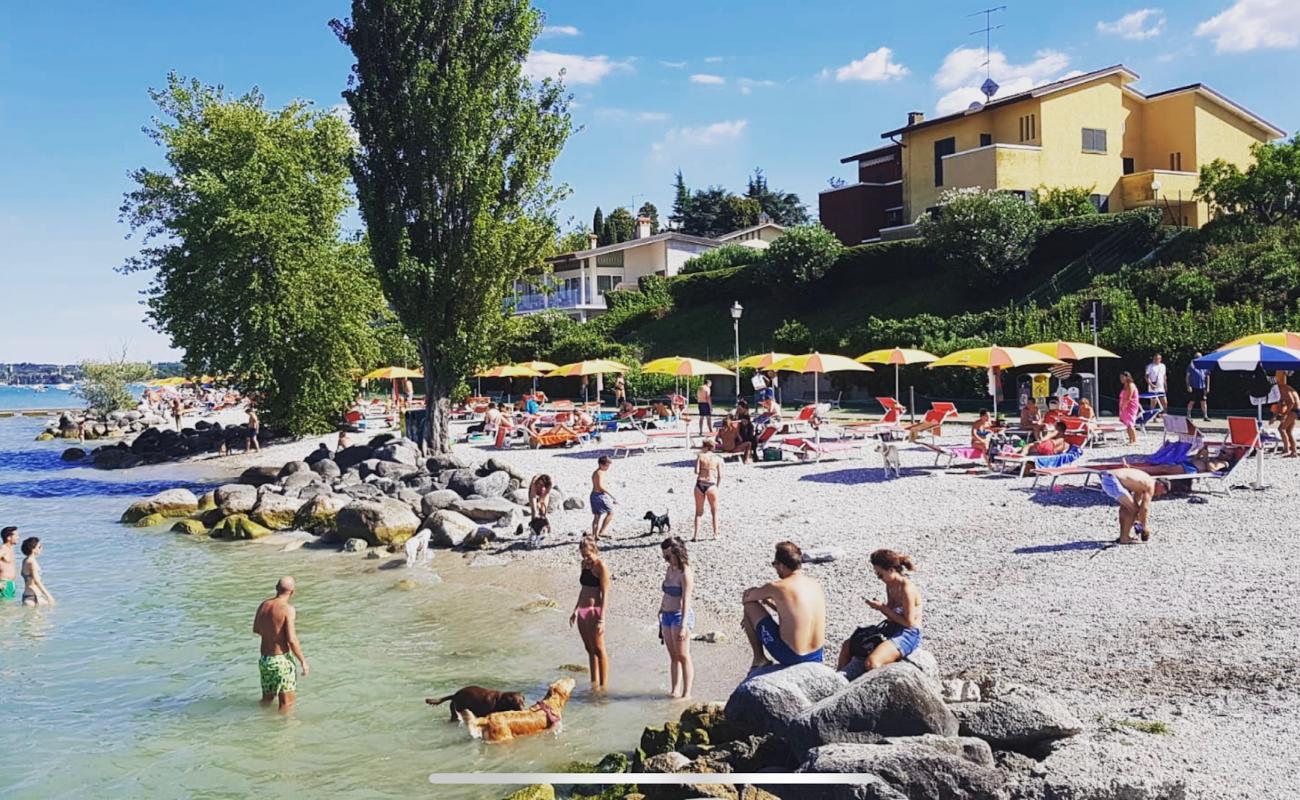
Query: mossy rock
(538, 791)
(150, 520)
(45, 437)
(137, 511)
(579, 668)
(211, 517)
(207, 501)
(239, 526)
(189, 527)
(710, 719)
(661, 739)
(405, 585)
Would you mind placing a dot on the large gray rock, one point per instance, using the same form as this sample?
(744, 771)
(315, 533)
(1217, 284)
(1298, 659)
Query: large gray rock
(1021, 719)
(169, 503)
(326, 468)
(398, 452)
(235, 498)
(495, 464)
(319, 514)
(461, 481)
(362, 491)
(493, 509)
(916, 770)
(368, 467)
(379, 522)
(433, 501)
(293, 466)
(445, 462)
(518, 496)
(494, 484)
(349, 457)
(976, 751)
(276, 511)
(301, 480)
(769, 700)
(449, 528)
(258, 476)
(411, 497)
(395, 470)
(574, 503)
(895, 700)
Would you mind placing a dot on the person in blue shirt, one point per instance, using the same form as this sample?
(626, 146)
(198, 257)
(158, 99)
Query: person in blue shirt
(531, 406)
(1198, 389)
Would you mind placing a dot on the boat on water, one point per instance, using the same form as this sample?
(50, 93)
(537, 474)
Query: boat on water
(40, 387)
(63, 387)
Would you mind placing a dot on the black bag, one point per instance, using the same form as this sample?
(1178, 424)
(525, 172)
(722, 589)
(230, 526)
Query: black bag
(869, 637)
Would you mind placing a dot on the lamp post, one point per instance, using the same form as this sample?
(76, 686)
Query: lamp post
(736, 310)
(1155, 194)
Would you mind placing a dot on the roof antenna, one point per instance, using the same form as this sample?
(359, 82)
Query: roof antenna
(989, 87)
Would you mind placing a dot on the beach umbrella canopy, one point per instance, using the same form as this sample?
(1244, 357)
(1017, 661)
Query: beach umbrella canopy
(819, 363)
(761, 361)
(508, 371)
(173, 381)
(541, 366)
(391, 374)
(1002, 357)
(898, 356)
(1071, 351)
(598, 366)
(1278, 339)
(683, 367)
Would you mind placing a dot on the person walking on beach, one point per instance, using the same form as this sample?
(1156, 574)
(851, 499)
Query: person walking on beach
(1156, 382)
(602, 502)
(900, 634)
(274, 622)
(8, 562)
(677, 616)
(1130, 406)
(34, 591)
(704, 404)
(708, 477)
(798, 601)
(589, 612)
(1198, 389)
(620, 391)
(254, 428)
(1287, 406)
(177, 413)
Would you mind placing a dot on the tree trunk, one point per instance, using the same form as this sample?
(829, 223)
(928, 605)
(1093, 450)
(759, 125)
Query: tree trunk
(437, 404)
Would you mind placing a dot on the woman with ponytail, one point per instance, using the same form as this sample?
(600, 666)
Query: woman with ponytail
(899, 635)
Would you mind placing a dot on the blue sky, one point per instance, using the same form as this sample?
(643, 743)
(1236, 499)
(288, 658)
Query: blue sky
(715, 88)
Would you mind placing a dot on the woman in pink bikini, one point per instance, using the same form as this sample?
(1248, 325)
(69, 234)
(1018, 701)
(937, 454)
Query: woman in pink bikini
(1130, 406)
(589, 612)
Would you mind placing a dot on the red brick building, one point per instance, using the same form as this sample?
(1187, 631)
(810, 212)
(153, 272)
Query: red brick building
(857, 212)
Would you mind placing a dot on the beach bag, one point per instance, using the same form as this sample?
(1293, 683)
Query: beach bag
(1261, 388)
(869, 637)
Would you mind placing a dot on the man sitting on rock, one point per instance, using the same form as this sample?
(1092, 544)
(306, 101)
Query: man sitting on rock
(800, 604)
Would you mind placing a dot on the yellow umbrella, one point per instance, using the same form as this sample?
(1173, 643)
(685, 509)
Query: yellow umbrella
(1071, 351)
(897, 356)
(1003, 357)
(1277, 339)
(173, 381)
(819, 363)
(598, 366)
(683, 367)
(540, 366)
(392, 373)
(508, 371)
(762, 360)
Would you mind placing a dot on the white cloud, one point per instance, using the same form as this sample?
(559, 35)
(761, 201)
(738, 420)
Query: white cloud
(560, 30)
(701, 137)
(673, 64)
(1254, 24)
(877, 65)
(577, 69)
(963, 71)
(1144, 23)
(708, 80)
(748, 85)
(627, 115)
(713, 59)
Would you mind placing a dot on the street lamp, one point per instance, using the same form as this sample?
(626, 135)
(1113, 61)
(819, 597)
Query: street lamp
(1155, 195)
(736, 310)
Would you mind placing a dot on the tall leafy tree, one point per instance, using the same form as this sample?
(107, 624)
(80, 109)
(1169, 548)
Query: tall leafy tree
(649, 211)
(453, 170)
(241, 233)
(681, 201)
(785, 208)
(1266, 192)
(598, 225)
(621, 225)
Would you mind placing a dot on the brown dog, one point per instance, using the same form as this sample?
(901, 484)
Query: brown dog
(480, 701)
(503, 726)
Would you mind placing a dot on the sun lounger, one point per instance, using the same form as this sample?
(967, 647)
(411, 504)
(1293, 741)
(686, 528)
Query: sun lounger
(951, 454)
(1024, 463)
(805, 448)
(887, 425)
(1242, 440)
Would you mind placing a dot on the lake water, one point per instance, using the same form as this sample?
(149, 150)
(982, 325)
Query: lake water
(12, 397)
(142, 681)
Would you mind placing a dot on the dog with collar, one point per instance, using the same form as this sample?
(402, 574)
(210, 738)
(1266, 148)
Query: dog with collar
(889, 454)
(658, 524)
(502, 726)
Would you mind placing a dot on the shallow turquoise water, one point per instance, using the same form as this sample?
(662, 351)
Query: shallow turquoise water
(142, 681)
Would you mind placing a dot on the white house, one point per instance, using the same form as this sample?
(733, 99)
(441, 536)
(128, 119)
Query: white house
(579, 281)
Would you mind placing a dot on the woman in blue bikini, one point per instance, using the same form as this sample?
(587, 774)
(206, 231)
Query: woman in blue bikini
(902, 609)
(677, 616)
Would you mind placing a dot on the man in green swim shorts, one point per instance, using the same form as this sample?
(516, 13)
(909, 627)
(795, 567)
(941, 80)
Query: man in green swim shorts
(8, 570)
(274, 622)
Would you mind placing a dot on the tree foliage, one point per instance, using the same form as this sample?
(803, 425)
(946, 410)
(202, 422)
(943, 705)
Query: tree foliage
(715, 210)
(573, 241)
(241, 233)
(728, 255)
(801, 256)
(598, 225)
(1267, 192)
(784, 208)
(104, 384)
(1059, 202)
(649, 211)
(619, 226)
(979, 235)
(453, 170)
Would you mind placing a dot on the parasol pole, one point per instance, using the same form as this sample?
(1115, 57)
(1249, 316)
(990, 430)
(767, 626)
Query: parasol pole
(895, 382)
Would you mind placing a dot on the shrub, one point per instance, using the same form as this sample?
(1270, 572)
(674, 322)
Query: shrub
(1061, 202)
(104, 383)
(793, 337)
(729, 255)
(804, 254)
(983, 236)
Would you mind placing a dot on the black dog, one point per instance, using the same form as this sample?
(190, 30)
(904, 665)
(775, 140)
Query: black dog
(478, 699)
(539, 527)
(658, 524)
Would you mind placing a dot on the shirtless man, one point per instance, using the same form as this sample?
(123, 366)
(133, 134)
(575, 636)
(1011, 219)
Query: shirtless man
(801, 605)
(602, 502)
(8, 559)
(1287, 406)
(1134, 490)
(704, 404)
(275, 624)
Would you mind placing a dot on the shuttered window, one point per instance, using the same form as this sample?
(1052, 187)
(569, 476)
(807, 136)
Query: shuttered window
(1094, 140)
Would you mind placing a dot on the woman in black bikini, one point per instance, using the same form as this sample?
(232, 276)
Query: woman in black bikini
(708, 475)
(677, 616)
(34, 591)
(589, 612)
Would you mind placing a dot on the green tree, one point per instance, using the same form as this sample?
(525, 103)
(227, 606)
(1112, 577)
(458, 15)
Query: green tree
(598, 225)
(724, 257)
(681, 201)
(705, 212)
(621, 225)
(738, 212)
(784, 208)
(649, 211)
(573, 241)
(1267, 192)
(453, 171)
(1059, 202)
(802, 255)
(983, 236)
(104, 384)
(241, 233)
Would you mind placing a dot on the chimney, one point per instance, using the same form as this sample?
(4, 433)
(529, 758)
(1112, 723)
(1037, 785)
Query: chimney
(593, 241)
(643, 227)
(915, 118)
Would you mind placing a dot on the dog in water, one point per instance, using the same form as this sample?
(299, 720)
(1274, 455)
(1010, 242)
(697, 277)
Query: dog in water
(658, 524)
(480, 701)
(889, 454)
(502, 726)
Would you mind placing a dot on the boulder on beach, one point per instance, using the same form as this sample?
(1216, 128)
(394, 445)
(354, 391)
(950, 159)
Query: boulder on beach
(895, 700)
(257, 476)
(189, 527)
(235, 498)
(169, 503)
(1021, 718)
(150, 520)
(321, 453)
(916, 770)
(239, 526)
(291, 467)
(276, 511)
(461, 481)
(207, 501)
(770, 699)
(326, 468)
(486, 510)
(436, 500)
(349, 457)
(319, 514)
(401, 452)
(494, 484)
(574, 503)
(355, 546)
(73, 454)
(449, 528)
(494, 464)
(300, 480)
(395, 470)
(378, 522)
(445, 462)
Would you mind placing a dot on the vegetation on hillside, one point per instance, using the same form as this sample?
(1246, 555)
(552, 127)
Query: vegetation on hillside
(714, 210)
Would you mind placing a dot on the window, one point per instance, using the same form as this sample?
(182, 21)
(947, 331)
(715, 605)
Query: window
(1128, 166)
(893, 217)
(1028, 127)
(986, 139)
(1094, 140)
(1101, 202)
(943, 147)
(605, 283)
(1176, 162)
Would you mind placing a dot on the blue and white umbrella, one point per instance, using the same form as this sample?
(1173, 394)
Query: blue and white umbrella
(1248, 359)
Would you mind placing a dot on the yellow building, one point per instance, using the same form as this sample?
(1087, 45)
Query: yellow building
(1133, 150)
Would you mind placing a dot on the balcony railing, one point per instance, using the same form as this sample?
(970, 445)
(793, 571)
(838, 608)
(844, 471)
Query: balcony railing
(562, 299)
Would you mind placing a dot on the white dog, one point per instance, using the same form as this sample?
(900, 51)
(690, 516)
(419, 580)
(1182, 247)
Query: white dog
(417, 546)
(889, 453)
